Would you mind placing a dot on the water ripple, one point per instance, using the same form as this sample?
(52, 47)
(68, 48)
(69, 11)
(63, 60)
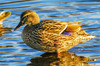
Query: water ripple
(14, 52)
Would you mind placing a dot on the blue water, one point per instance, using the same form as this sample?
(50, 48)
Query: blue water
(14, 52)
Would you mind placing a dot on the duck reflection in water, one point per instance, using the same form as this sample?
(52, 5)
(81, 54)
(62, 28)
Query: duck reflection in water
(65, 59)
(3, 16)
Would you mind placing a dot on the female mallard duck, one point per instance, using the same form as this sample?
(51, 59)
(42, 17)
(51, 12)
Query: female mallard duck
(50, 35)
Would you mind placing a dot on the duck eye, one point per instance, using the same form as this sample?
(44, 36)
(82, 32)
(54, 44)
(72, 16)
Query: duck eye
(24, 20)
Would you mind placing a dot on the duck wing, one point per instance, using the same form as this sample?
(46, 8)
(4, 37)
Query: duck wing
(55, 27)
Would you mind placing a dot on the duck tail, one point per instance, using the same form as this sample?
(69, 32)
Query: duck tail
(78, 22)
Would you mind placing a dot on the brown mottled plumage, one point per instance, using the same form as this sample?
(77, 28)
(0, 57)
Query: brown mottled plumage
(48, 36)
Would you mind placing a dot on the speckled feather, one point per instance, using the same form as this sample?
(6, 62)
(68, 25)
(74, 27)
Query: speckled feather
(44, 39)
(48, 36)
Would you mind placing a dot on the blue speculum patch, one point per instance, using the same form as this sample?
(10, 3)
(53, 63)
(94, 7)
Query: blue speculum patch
(67, 33)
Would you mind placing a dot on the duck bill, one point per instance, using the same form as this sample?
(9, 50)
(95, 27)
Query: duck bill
(18, 26)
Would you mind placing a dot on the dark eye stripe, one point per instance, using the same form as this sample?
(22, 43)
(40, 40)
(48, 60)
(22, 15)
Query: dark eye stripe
(24, 19)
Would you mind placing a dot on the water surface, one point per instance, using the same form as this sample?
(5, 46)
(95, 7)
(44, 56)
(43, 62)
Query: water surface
(14, 52)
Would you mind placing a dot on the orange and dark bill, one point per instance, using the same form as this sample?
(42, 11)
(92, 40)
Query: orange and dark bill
(18, 26)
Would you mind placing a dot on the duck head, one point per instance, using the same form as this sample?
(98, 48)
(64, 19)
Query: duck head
(28, 17)
(4, 15)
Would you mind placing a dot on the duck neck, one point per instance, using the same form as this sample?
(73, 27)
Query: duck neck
(32, 24)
